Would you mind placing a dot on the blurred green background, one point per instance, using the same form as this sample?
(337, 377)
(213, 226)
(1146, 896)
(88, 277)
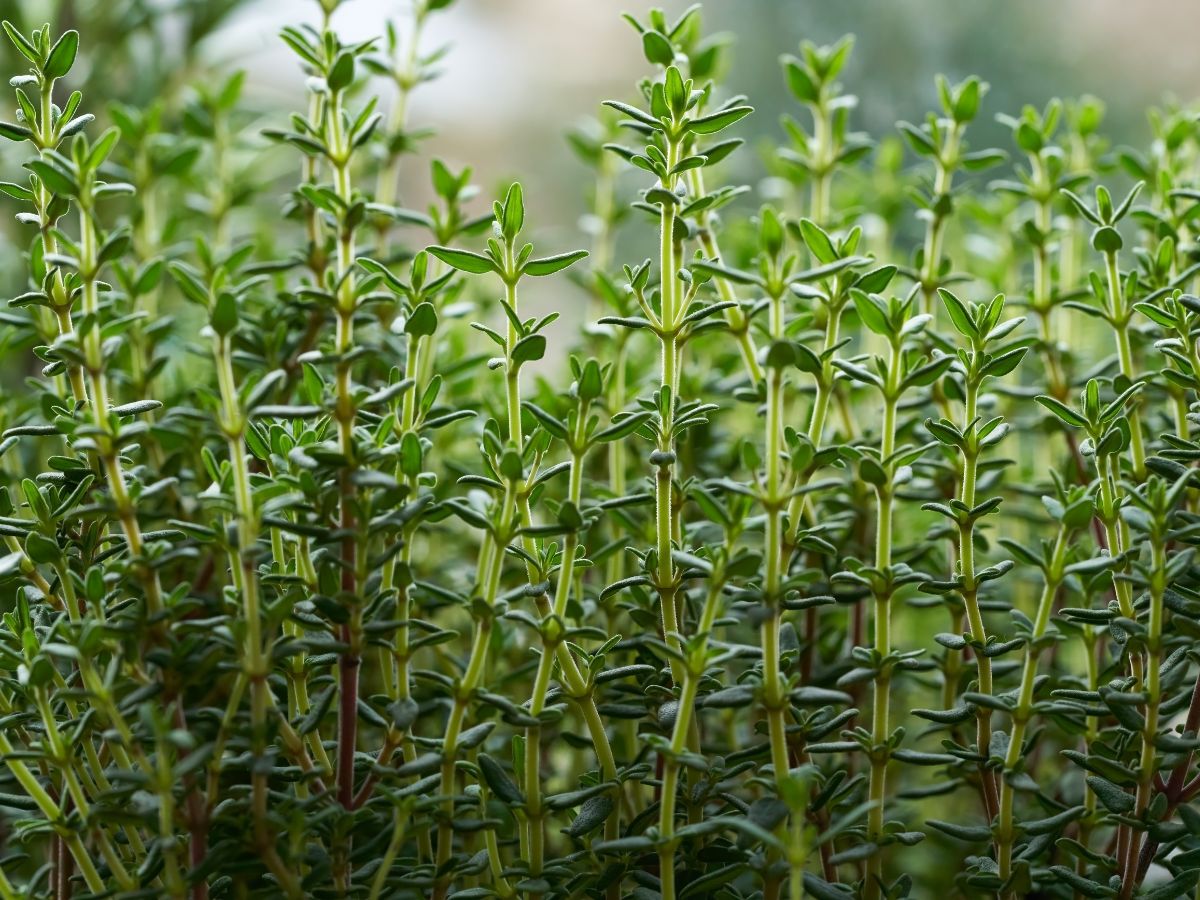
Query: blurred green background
(520, 72)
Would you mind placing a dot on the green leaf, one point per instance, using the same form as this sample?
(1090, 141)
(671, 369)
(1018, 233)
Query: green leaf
(529, 348)
(876, 280)
(818, 241)
(719, 120)
(16, 191)
(737, 276)
(55, 180)
(513, 218)
(870, 471)
(498, 782)
(549, 422)
(966, 103)
(1084, 886)
(1082, 208)
(927, 374)
(1114, 798)
(422, 321)
(592, 815)
(1001, 365)
(634, 113)
(1107, 239)
(463, 260)
(341, 73)
(14, 132)
(62, 55)
(102, 148)
(224, 318)
(1028, 138)
(918, 139)
(24, 47)
(411, 455)
(622, 427)
(871, 314)
(944, 432)
(1053, 823)
(548, 265)
(41, 549)
(780, 355)
(1156, 315)
(657, 48)
(798, 81)
(960, 316)
(969, 833)
(590, 383)
(1063, 411)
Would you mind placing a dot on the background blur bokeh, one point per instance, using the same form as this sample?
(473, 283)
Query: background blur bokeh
(520, 72)
(517, 75)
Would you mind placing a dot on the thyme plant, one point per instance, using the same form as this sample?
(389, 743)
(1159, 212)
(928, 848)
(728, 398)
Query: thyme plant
(332, 569)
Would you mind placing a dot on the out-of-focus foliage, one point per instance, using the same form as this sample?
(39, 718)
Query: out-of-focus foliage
(841, 547)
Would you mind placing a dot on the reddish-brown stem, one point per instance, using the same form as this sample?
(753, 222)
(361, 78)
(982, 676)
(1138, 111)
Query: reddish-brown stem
(197, 819)
(347, 722)
(62, 869)
(1178, 789)
(390, 745)
(809, 652)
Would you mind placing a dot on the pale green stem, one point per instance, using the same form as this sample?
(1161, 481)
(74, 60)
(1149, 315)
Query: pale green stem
(663, 494)
(734, 316)
(50, 810)
(970, 593)
(943, 181)
(1148, 762)
(1006, 834)
(1120, 321)
(880, 711)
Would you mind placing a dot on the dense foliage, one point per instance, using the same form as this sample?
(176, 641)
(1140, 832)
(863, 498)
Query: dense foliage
(841, 547)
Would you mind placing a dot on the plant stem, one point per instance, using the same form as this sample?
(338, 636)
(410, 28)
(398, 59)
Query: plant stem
(466, 687)
(407, 77)
(349, 663)
(1042, 299)
(932, 248)
(774, 696)
(255, 665)
(739, 325)
(823, 163)
(1148, 762)
(970, 594)
(535, 815)
(880, 712)
(51, 811)
(684, 717)
(95, 364)
(617, 450)
(1023, 712)
(399, 684)
(665, 580)
(1120, 318)
(1108, 511)
(798, 503)
(400, 818)
(60, 298)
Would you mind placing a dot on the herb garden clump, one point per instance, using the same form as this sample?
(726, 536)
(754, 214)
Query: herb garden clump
(836, 547)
